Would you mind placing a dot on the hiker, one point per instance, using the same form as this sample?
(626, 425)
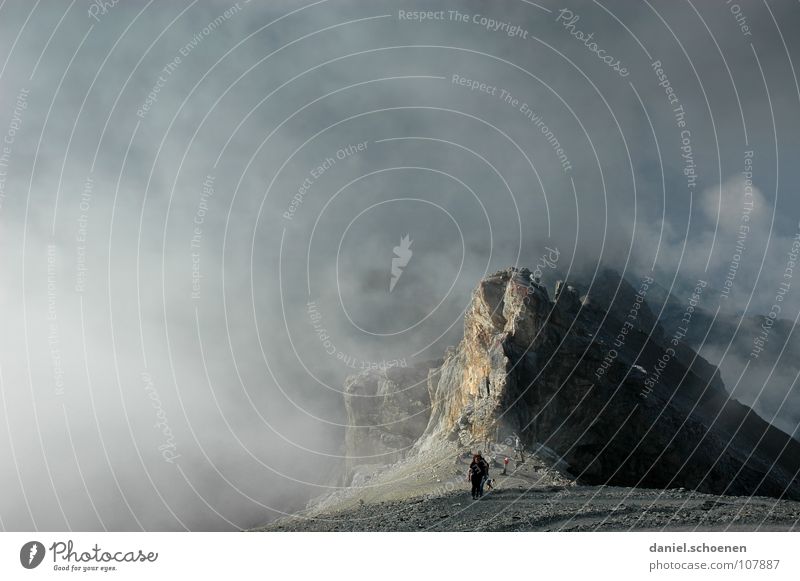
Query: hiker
(505, 465)
(475, 476)
(518, 451)
(484, 466)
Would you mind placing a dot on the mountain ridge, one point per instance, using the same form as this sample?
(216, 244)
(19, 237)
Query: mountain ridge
(539, 368)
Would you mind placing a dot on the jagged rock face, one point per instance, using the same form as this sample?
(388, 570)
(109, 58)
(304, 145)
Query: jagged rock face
(471, 389)
(387, 411)
(636, 411)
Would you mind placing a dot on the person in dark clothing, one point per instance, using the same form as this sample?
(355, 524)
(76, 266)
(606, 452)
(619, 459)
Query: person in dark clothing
(475, 476)
(484, 468)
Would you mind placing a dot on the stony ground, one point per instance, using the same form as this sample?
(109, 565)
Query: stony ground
(431, 494)
(580, 508)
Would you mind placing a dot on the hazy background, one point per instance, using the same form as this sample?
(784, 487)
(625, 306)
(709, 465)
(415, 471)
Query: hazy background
(129, 403)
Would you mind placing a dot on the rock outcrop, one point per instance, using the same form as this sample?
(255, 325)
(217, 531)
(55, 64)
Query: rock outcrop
(387, 410)
(589, 377)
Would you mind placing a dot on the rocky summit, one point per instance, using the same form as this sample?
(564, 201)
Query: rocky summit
(587, 381)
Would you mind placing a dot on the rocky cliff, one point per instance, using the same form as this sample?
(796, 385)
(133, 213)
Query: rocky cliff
(588, 379)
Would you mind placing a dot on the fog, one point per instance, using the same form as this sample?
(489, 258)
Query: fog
(180, 180)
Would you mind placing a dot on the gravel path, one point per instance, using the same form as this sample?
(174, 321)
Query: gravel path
(429, 494)
(577, 508)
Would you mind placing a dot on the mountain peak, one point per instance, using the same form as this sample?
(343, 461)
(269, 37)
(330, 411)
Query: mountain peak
(597, 390)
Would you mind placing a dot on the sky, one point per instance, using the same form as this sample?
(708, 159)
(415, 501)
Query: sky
(203, 205)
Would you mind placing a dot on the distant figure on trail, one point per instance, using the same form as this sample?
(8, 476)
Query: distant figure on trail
(505, 465)
(518, 451)
(478, 474)
(475, 476)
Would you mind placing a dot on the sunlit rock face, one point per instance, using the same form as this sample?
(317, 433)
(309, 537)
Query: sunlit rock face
(588, 375)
